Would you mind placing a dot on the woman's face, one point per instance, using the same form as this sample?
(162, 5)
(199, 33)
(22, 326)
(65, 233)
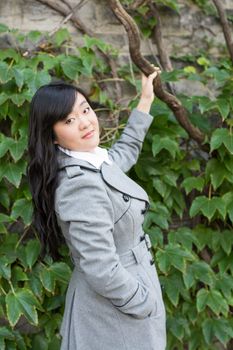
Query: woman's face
(80, 130)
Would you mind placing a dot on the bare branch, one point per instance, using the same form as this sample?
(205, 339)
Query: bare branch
(225, 26)
(64, 9)
(164, 58)
(134, 47)
(136, 4)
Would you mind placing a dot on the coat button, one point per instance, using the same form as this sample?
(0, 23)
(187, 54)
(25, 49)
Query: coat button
(125, 197)
(147, 206)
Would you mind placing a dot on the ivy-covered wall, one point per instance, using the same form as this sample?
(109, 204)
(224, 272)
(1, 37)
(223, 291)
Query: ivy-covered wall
(189, 184)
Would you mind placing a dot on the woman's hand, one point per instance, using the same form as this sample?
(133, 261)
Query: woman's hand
(147, 94)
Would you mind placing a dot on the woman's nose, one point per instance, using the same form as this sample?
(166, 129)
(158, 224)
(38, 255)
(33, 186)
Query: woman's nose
(84, 122)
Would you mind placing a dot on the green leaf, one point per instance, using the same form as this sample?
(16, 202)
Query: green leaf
(226, 241)
(224, 284)
(230, 210)
(90, 42)
(5, 268)
(191, 183)
(57, 271)
(22, 208)
(203, 61)
(47, 279)
(34, 81)
(170, 178)
(5, 73)
(10, 53)
(5, 218)
(160, 186)
(32, 252)
(213, 299)
(5, 143)
(218, 138)
(17, 148)
(173, 288)
(228, 142)
(4, 197)
(17, 99)
(219, 328)
(19, 76)
(3, 28)
(222, 136)
(173, 255)
(159, 144)
(176, 326)
(35, 284)
(39, 342)
(18, 275)
(185, 236)
(61, 271)
(159, 216)
(216, 171)
(205, 104)
(156, 236)
(34, 35)
(61, 35)
(71, 66)
(20, 303)
(208, 206)
(3, 97)
(199, 271)
(223, 107)
(88, 59)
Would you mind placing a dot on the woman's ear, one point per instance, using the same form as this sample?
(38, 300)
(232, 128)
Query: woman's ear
(55, 142)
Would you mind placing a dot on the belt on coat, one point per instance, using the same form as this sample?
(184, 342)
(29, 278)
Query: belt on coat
(133, 256)
(137, 253)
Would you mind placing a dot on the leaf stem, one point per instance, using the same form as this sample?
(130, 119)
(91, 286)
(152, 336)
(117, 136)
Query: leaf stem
(12, 288)
(210, 191)
(3, 290)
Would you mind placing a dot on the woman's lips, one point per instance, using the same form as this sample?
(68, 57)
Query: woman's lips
(88, 135)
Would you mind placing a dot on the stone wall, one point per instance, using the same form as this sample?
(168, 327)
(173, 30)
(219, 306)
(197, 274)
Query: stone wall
(183, 33)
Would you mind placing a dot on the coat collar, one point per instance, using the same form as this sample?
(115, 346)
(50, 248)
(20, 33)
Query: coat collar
(66, 161)
(110, 173)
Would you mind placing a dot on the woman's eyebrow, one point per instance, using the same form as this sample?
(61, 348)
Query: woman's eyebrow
(83, 102)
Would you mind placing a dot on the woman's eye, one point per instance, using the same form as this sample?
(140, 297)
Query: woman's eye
(69, 121)
(86, 110)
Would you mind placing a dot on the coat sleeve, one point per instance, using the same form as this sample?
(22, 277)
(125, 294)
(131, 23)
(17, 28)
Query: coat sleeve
(89, 214)
(126, 150)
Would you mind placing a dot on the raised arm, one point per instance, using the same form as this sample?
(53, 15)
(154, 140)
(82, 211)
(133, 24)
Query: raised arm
(126, 150)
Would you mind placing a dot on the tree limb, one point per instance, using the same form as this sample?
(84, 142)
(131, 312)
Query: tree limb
(164, 58)
(136, 4)
(225, 26)
(64, 9)
(134, 47)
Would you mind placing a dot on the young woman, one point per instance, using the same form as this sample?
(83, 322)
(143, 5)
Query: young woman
(81, 194)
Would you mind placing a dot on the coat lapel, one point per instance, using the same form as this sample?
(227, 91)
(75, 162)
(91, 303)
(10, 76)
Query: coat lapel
(116, 178)
(111, 174)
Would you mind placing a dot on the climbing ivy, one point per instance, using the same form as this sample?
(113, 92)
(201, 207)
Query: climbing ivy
(190, 188)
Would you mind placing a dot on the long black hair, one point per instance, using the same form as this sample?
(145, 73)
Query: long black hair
(51, 103)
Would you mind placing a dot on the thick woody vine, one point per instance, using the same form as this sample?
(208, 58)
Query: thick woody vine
(190, 219)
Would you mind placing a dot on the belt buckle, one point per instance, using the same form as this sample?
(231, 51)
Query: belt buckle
(148, 242)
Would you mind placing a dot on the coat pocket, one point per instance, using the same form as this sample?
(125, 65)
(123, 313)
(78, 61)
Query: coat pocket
(143, 278)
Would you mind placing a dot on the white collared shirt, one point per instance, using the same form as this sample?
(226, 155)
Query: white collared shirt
(96, 158)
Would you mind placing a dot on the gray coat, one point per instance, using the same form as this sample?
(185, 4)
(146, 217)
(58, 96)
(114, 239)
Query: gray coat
(114, 299)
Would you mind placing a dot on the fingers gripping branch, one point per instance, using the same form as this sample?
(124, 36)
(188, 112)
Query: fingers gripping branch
(134, 48)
